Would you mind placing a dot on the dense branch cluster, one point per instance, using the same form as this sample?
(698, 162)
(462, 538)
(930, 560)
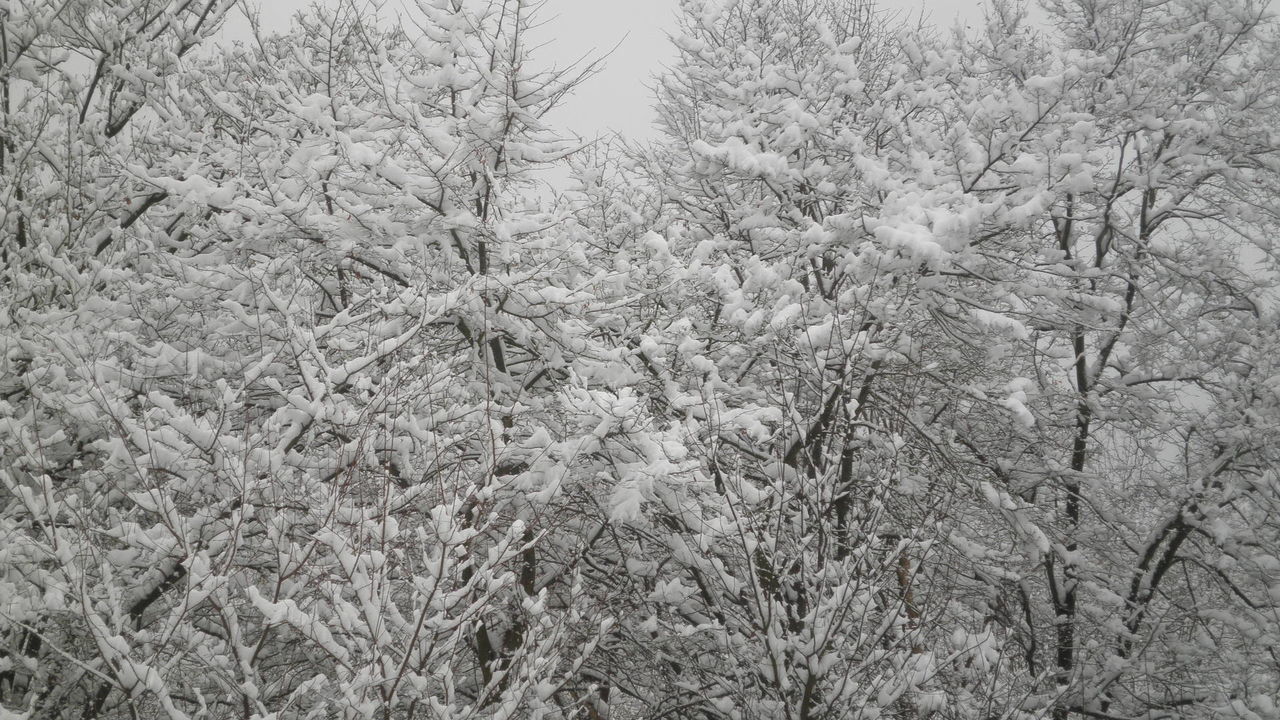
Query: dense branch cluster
(906, 374)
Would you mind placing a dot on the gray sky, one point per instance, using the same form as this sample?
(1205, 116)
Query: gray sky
(618, 98)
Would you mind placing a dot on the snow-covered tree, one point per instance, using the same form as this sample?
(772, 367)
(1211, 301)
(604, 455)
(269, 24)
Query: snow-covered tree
(996, 311)
(785, 580)
(1119, 162)
(298, 435)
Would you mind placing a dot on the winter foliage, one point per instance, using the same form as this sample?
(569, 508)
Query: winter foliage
(908, 374)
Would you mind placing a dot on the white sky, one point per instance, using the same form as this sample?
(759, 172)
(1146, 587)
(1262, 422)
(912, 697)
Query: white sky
(618, 98)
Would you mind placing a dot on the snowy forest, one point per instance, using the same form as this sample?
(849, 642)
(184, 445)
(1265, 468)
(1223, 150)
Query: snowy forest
(903, 374)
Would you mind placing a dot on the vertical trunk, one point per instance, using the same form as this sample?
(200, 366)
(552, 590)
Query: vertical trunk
(1062, 584)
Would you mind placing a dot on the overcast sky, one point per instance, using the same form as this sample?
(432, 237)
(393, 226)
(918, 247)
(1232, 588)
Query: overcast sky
(618, 98)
